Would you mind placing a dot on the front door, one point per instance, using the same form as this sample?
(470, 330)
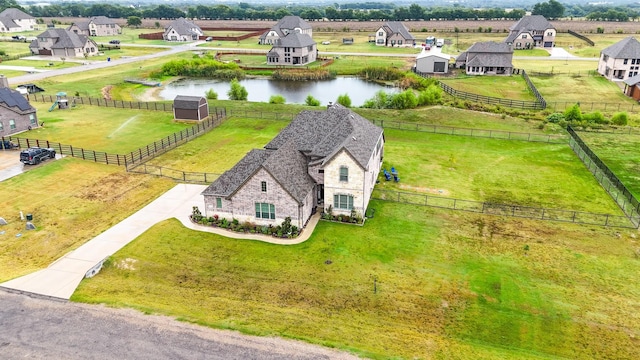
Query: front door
(320, 194)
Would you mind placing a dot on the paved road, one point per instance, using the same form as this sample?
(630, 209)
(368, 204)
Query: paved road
(36, 328)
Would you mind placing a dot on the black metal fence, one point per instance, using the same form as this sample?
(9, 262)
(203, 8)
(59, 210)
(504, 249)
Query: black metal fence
(592, 106)
(540, 99)
(609, 181)
(484, 133)
(536, 213)
(581, 37)
(180, 175)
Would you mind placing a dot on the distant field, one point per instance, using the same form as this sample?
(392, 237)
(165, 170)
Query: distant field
(506, 87)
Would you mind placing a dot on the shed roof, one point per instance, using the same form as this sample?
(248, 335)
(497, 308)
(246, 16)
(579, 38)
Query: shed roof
(187, 102)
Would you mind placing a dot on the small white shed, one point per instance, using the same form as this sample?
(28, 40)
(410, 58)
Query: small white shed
(432, 63)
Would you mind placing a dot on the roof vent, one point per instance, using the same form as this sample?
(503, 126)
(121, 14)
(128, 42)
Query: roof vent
(354, 138)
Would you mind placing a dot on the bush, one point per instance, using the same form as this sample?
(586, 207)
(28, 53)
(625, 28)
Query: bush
(573, 114)
(404, 100)
(430, 96)
(211, 94)
(277, 99)
(311, 101)
(595, 117)
(620, 118)
(237, 91)
(555, 118)
(344, 100)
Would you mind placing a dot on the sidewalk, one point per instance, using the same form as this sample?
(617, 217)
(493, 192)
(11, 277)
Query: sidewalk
(61, 278)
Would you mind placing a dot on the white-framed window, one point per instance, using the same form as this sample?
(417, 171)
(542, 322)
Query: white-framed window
(219, 203)
(263, 186)
(344, 173)
(344, 202)
(380, 33)
(32, 119)
(265, 211)
(1, 126)
(12, 124)
(625, 61)
(524, 36)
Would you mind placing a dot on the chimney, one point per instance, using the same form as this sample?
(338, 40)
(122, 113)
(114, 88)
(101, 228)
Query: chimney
(330, 104)
(4, 82)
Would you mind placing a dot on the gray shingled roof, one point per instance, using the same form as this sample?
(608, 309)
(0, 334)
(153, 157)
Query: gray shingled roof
(231, 180)
(65, 39)
(8, 22)
(295, 40)
(102, 20)
(498, 60)
(12, 99)
(396, 27)
(290, 169)
(490, 47)
(187, 102)
(82, 25)
(531, 23)
(632, 80)
(320, 134)
(183, 26)
(291, 22)
(17, 14)
(627, 48)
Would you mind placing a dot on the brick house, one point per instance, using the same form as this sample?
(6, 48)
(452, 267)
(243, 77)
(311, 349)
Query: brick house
(63, 43)
(16, 114)
(531, 31)
(322, 158)
(16, 20)
(621, 60)
(487, 58)
(293, 49)
(285, 26)
(190, 107)
(182, 29)
(394, 33)
(96, 26)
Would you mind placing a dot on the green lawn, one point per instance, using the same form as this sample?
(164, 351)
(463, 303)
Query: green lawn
(72, 201)
(507, 87)
(620, 153)
(575, 67)
(15, 48)
(447, 285)
(106, 129)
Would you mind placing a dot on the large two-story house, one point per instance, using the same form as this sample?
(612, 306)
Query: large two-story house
(487, 58)
(96, 26)
(621, 60)
(182, 29)
(63, 43)
(16, 20)
(16, 114)
(531, 31)
(285, 26)
(324, 159)
(394, 33)
(293, 49)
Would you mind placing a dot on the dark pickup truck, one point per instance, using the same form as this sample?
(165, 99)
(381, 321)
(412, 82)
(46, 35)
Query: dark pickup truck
(34, 155)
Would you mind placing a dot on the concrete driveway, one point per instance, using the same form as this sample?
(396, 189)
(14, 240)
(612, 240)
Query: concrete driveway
(10, 164)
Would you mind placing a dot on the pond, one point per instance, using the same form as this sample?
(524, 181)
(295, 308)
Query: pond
(260, 90)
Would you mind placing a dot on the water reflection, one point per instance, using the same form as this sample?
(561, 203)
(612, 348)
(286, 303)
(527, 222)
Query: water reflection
(295, 92)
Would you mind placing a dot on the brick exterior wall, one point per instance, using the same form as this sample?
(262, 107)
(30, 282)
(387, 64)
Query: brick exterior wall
(354, 187)
(22, 121)
(242, 204)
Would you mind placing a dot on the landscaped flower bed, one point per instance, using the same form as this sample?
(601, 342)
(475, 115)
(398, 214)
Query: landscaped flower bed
(353, 218)
(284, 230)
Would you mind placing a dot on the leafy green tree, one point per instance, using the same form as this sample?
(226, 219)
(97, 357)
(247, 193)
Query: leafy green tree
(311, 101)
(277, 99)
(134, 21)
(5, 4)
(573, 114)
(211, 94)
(379, 101)
(237, 91)
(550, 10)
(430, 96)
(404, 100)
(620, 118)
(344, 100)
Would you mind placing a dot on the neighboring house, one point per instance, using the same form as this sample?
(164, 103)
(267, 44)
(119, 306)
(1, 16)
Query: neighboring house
(394, 33)
(531, 31)
(190, 107)
(16, 114)
(632, 87)
(293, 49)
(286, 25)
(487, 58)
(327, 158)
(15, 20)
(182, 29)
(96, 26)
(63, 43)
(432, 63)
(621, 60)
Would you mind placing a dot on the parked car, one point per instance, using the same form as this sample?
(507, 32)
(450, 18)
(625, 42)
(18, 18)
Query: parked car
(326, 42)
(208, 39)
(440, 42)
(18, 38)
(34, 155)
(114, 42)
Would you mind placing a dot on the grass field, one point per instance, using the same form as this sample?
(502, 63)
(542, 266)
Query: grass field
(15, 47)
(620, 153)
(506, 87)
(71, 201)
(448, 285)
(112, 130)
(583, 89)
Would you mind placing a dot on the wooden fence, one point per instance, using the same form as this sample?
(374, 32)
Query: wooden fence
(577, 217)
(179, 175)
(592, 106)
(540, 99)
(581, 37)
